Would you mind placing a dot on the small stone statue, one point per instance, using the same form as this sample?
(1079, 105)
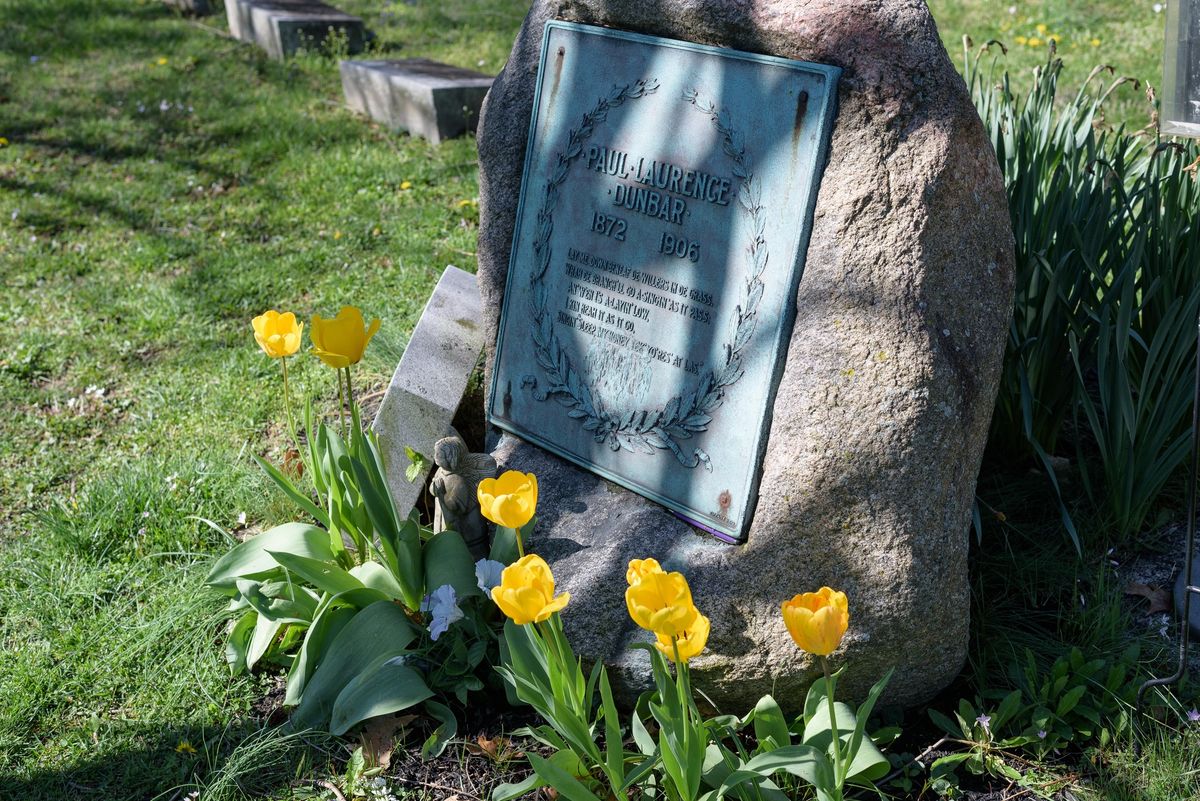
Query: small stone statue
(455, 487)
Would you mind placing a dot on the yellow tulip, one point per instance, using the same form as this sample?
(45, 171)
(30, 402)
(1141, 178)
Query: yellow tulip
(640, 568)
(510, 500)
(277, 334)
(662, 603)
(690, 642)
(340, 342)
(817, 620)
(526, 591)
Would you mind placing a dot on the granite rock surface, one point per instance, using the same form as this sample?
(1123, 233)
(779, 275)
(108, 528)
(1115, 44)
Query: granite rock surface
(890, 377)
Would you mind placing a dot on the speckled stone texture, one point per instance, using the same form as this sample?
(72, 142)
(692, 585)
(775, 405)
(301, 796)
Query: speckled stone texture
(890, 377)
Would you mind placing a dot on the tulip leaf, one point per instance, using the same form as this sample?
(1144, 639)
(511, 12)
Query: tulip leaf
(386, 686)
(292, 491)
(239, 642)
(770, 726)
(265, 631)
(252, 559)
(567, 785)
(328, 577)
(448, 561)
(799, 760)
(565, 760)
(330, 620)
(378, 577)
(375, 634)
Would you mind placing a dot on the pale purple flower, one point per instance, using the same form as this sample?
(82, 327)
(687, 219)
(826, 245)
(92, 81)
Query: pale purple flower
(1193, 715)
(985, 721)
(442, 605)
(487, 575)
(1041, 734)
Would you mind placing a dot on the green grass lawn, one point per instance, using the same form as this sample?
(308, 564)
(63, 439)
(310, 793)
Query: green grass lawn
(161, 184)
(1126, 35)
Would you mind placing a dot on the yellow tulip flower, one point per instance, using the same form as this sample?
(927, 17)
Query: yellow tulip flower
(640, 568)
(277, 334)
(510, 500)
(340, 342)
(662, 603)
(690, 642)
(526, 591)
(817, 620)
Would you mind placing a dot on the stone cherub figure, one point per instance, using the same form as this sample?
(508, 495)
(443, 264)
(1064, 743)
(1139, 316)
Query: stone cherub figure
(455, 486)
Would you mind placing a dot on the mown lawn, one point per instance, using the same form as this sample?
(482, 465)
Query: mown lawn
(160, 185)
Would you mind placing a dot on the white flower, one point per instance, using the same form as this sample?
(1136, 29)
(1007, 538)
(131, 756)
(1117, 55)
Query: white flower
(442, 604)
(487, 575)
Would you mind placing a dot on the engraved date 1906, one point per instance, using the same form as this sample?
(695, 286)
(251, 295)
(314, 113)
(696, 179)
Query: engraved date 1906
(680, 247)
(609, 226)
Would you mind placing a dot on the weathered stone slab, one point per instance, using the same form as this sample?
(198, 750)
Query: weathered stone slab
(430, 380)
(425, 98)
(198, 7)
(886, 392)
(281, 27)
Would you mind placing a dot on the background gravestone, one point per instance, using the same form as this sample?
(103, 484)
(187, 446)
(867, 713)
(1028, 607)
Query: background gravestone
(890, 377)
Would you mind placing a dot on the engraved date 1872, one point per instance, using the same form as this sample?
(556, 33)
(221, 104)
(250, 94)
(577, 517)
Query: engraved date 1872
(609, 225)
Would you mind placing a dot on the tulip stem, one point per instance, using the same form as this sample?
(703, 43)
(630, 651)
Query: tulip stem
(349, 390)
(341, 402)
(287, 405)
(520, 544)
(833, 729)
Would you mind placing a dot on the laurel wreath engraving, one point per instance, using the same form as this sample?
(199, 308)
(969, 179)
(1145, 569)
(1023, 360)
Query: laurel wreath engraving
(651, 430)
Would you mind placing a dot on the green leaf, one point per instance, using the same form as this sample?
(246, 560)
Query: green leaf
(238, 643)
(418, 463)
(615, 754)
(328, 577)
(770, 726)
(252, 559)
(564, 760)
(321, 632)
(376, 633)
(261, 639)
(378, 577)
(567, 785)
(386, 686)
(448, 561)
(447, 728)
(803, 761)
(293, 492)
(283, 601)
(1068, 701)
(945, 724)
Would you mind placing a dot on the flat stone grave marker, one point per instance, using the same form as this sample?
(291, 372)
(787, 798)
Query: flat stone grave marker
(281, 27)
(430, 380)
(426, 98)
(660, 239)
(197, 7)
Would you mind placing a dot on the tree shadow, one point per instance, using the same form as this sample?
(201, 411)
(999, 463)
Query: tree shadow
(170, 760)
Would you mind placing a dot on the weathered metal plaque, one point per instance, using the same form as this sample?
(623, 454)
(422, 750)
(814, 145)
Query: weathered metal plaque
(664, 216)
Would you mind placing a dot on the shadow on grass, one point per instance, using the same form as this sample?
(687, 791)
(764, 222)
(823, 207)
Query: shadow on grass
(169, 761)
